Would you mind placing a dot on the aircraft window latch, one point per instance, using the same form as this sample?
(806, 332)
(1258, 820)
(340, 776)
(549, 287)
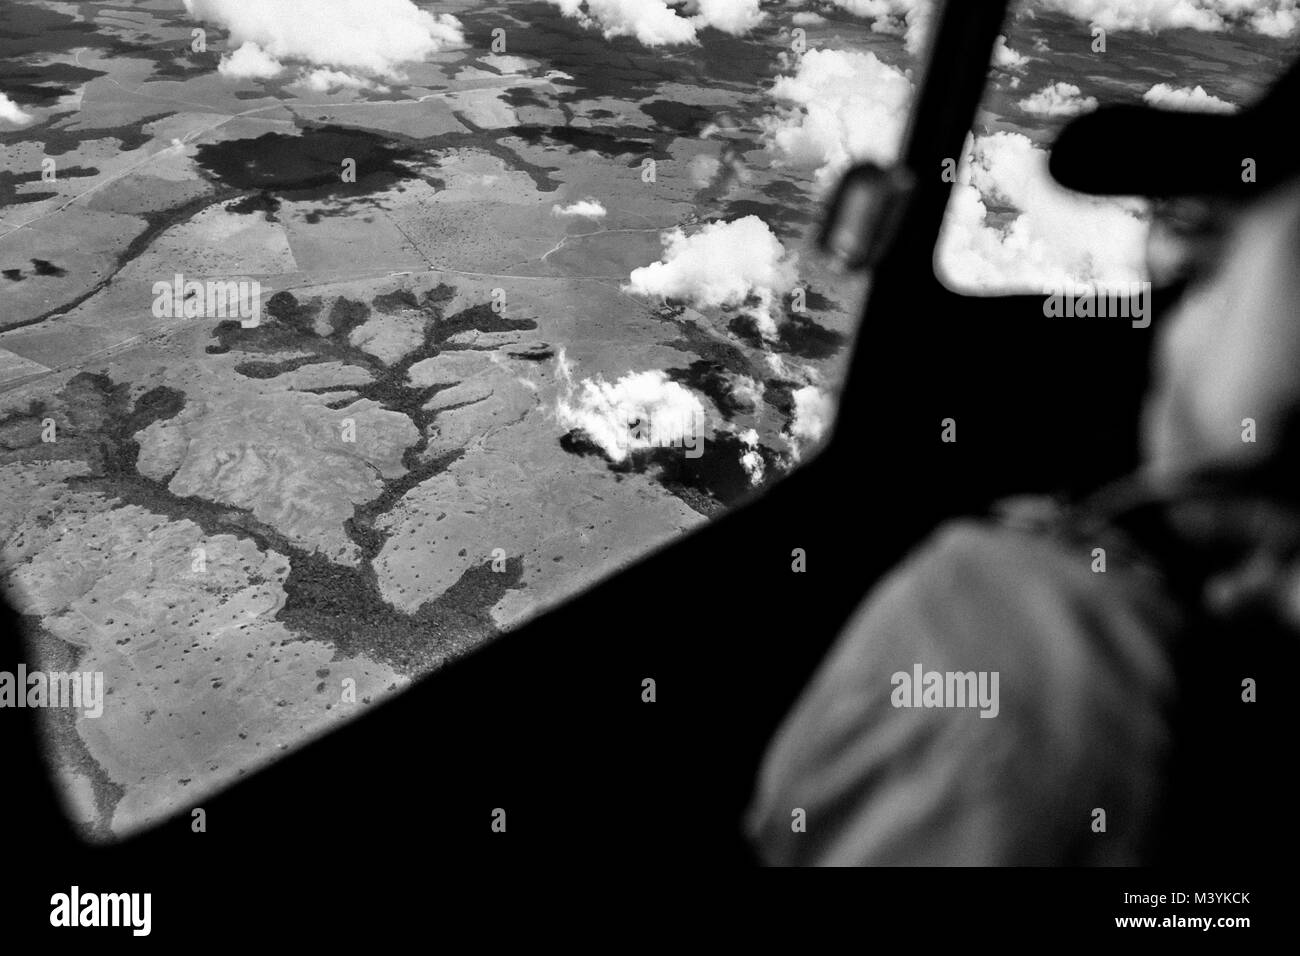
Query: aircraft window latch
(864, 215)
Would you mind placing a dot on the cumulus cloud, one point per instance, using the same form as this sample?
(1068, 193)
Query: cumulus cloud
(740, 263)
(750, 459)
(639, 411)
(1271, 17)
(10, 112)
(838, 106)
(813, 413)
(368, 38)
(747, 393)
(327, 81)
(1051, 235)
(1007, 58)
(1059, 99)
(659, 23)
(736, 17)
(909, 19)
(1279, 18)
(250, 61)
(1192, 98)
(587, 208)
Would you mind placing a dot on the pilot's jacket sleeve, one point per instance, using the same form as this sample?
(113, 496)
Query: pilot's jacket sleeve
(1065, 769)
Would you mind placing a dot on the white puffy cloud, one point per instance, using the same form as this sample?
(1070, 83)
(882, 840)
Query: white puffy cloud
(1280, 18)
(587, 208)
(250, 61)
(909, 19)
(659, 23)
(736, 17)
(652, 22)
(1271, 17)
(1193, 98)
(639, 411)
(750, 459)
(1007, 58)
(838, 106)
(777, 365)
(1059, 99)
(322, 80)
(1052, 236)
(371, 38)
(740, 263)
(813, 413)
(747, 392)
(10, 112)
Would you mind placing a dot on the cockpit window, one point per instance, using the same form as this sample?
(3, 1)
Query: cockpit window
(1009, 227)
(328, 355)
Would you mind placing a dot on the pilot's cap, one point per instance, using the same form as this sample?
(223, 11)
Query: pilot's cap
(1142, 151)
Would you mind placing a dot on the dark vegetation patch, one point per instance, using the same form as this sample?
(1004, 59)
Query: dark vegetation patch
(183, 64)
(714, 481)
(62, 744)
(44, 267)
(286, 324)
(537, 352)
(784, 219)
(817, 302)
(787, 194)
(29, 31)
(396, 301)
(361, 526)
(800, 335)
(702, 343)
(324, 601)
(263, 201)
(712, 379)
(606, 142)
(779, 393)
(309, 165)
(346, 316)
(797, 335)
(709, 483)
(11, 197)
(95, 421)
(155, 223)
(343, 606)
(20, 430)
(489, 141)
(42, 86)
(478, 318)
(274, 369)
(62, 140)
(314, 582)
(10, 181)
(576, 442)
(684, 119)
(410, 152)
(524, 96)
(621, 67)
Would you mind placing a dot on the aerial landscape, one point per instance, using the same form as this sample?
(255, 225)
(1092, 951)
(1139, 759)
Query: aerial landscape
(327, 355)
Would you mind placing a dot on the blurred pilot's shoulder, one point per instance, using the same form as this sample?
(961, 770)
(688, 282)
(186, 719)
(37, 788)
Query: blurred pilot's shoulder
(1077, 644)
